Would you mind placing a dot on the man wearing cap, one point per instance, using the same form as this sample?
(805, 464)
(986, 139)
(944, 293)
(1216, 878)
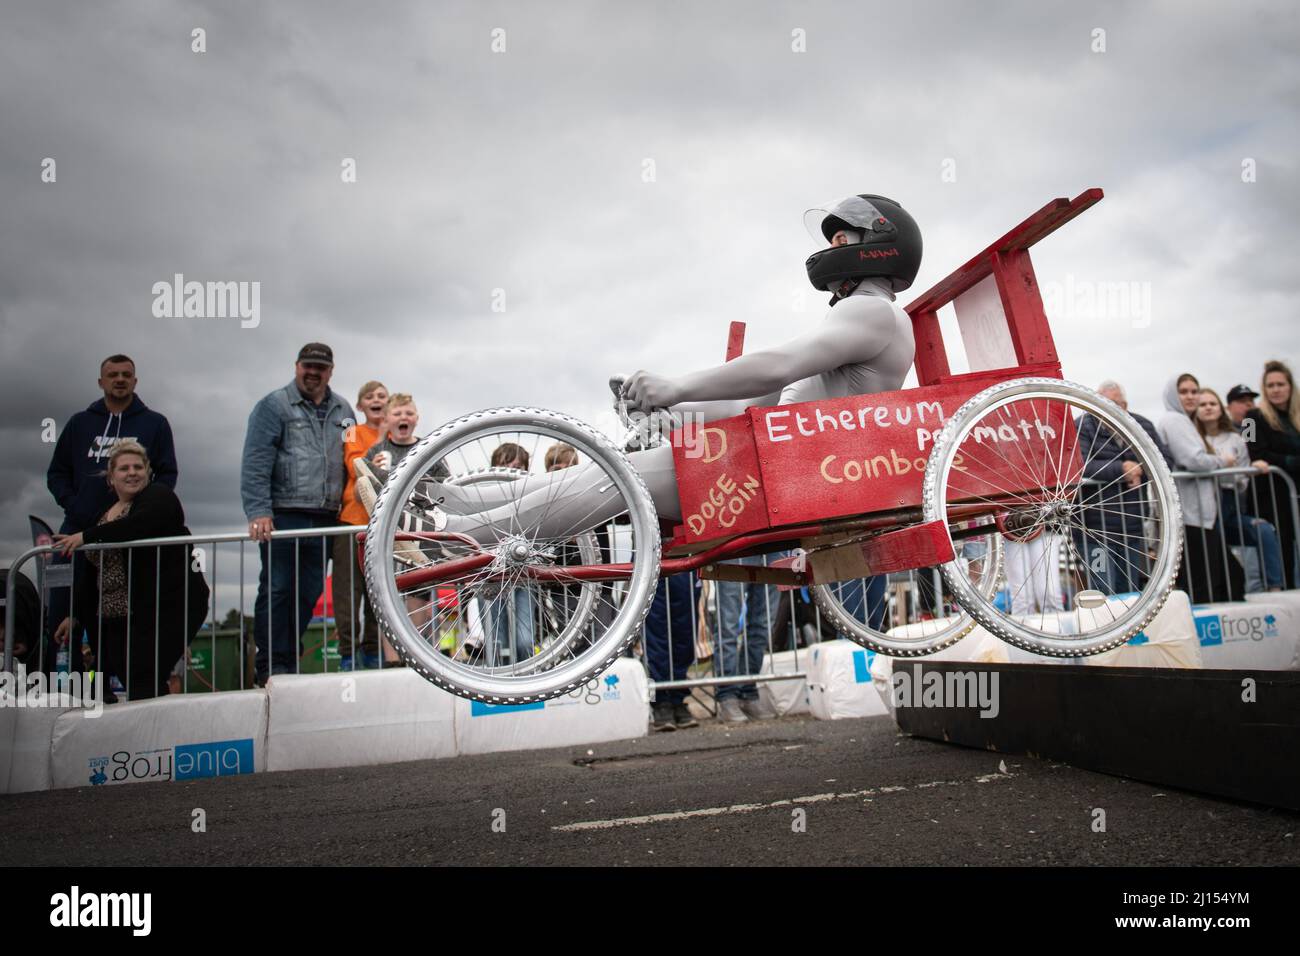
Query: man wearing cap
(1241, 399)
(292, 478)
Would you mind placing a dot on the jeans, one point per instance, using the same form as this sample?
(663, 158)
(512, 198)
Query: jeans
(745, 612)
(670, 634)
(1255, 534)
(349, 597)
(1114, 562)
(509, 626)
(296, 569)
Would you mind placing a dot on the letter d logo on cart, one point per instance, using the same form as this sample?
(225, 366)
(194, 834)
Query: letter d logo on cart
(707, 444)
(699, 445)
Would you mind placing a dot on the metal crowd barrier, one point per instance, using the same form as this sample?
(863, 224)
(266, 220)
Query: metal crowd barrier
(1229, 541)
(208, 557)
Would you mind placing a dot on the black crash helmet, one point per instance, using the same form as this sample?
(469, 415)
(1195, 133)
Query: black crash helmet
(889, 246)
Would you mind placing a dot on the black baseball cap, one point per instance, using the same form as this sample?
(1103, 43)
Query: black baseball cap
(316, 352)
(1238, 392)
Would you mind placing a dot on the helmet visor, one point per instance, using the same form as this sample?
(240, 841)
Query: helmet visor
(822, 222)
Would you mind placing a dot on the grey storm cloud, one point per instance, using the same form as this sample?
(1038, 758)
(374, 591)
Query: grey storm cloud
(524, 171)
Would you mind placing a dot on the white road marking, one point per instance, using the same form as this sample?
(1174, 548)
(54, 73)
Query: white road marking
(753, 807)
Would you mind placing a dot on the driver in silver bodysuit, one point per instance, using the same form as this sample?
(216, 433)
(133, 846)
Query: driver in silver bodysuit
(863, 345)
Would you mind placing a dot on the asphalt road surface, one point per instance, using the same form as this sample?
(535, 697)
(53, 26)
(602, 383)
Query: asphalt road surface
(718, 795)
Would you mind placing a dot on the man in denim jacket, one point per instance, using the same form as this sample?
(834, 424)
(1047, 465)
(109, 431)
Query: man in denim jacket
(292, 478)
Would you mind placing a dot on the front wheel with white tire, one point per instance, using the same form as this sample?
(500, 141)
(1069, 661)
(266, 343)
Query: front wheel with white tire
(1088, 514)
(503, 585)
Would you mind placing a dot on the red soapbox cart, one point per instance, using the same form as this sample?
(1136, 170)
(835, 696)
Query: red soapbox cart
(910, 516)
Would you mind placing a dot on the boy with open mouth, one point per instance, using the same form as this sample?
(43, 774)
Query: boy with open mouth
(401, 418)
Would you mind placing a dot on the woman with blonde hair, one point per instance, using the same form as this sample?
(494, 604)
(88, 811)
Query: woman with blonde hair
(1240, 528)
(139, 606)
(1272, 430)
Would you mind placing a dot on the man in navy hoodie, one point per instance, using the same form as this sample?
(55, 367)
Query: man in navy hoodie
(76, 474)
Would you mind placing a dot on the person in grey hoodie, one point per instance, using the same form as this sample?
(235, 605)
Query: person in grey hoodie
(1208, 572)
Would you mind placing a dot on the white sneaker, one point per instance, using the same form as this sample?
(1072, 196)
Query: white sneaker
(415, 518)
(758, 709)
(730, 710)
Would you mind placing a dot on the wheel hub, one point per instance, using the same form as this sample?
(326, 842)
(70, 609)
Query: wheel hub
(514, 551)
(1056, 515)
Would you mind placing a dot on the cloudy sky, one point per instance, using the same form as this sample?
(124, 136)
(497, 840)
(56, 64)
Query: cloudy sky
(632, 176)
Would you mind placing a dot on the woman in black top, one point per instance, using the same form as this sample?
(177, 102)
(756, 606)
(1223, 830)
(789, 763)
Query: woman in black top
(139, 606)
(1272, 432)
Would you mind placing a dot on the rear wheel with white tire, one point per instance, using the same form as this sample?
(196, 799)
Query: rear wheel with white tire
(1092, 534)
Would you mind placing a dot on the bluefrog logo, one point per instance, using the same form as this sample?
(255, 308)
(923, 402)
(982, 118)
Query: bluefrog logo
(611, 687)
(1212, 629)
(218, 758)
(127, 766)
(98, 771)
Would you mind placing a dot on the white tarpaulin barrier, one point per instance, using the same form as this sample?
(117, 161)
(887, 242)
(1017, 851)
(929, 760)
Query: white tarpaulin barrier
(356, 719)
(1168, 641)
(613, 706)
(1261, 633)
(28, 753)
(786, 696)
(177, 737)
(840, 681)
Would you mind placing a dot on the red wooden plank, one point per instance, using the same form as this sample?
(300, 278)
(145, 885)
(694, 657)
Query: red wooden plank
(903, 549)
(931, 356)
(735, 340)
(1080, 203)
(1023, 306)
(919, 546)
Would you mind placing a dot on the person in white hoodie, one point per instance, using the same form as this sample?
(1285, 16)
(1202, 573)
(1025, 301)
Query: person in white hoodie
(1209, 572)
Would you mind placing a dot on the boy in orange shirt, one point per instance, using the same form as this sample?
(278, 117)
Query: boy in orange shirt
(349, 588)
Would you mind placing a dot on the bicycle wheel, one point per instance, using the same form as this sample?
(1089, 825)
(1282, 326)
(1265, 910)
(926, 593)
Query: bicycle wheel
(907, 615)
(499, 584)
(1085, 517)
